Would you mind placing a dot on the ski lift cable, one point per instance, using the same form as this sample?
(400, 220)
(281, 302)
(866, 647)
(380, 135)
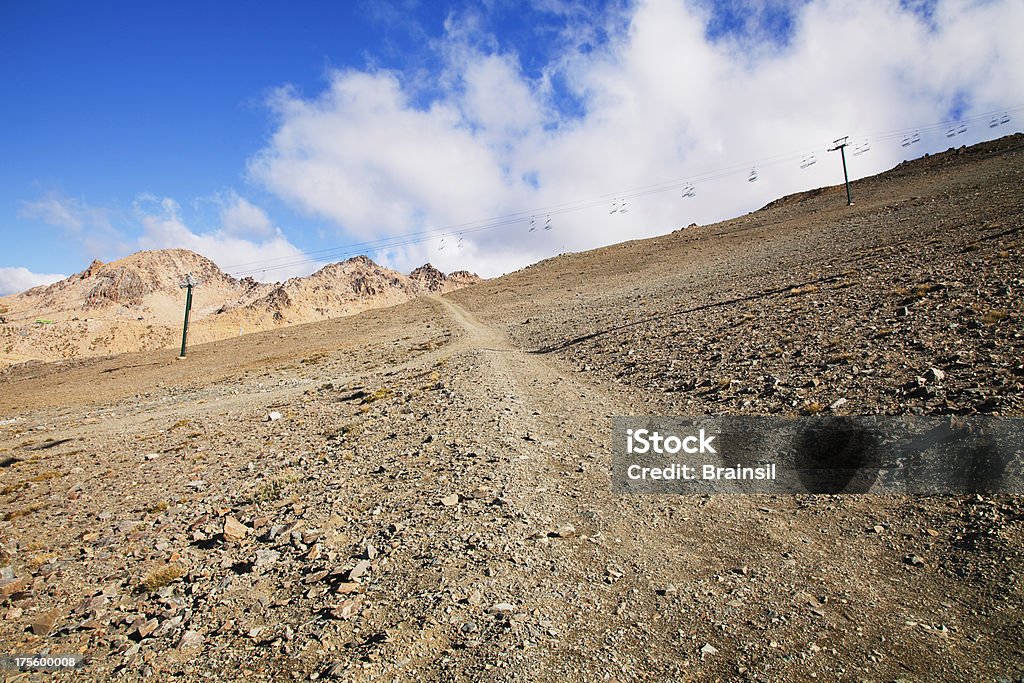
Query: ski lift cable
(310, 257)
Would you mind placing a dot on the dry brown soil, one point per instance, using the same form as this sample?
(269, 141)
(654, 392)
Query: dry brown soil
(432, 501)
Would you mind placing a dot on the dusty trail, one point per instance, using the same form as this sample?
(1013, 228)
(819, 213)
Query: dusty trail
(602, 568)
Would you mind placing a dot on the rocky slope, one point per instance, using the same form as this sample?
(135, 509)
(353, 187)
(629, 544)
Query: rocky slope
(422, 492)
(135, 303)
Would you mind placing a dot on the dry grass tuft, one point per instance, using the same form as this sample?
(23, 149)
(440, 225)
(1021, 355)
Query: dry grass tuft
(162, 576)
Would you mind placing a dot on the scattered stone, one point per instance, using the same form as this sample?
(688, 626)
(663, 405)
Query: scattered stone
(566, 531)
(359, 570)
(190, 639)
(274, 416)
(45, 621)
(9, 587)
(266, 557)
(335, 670)
(234, 530)
(708, 650)
(347, 609)
(450, 500)
(147, 628)
(838, 403)
(934, 375)
(914, 560)
(501, 608)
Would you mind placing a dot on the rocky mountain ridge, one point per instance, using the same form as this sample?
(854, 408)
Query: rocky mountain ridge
(135, 303)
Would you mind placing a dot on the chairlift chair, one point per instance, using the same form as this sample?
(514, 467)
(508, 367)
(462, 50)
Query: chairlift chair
(547, 224)
(961, 129)
(753, 176)
(1005, 118)
(808, 162)
(994, 122)
(533, 224)
(622, 207)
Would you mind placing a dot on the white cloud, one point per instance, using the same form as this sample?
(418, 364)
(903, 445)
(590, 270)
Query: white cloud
(90, 227)
(14, 280)
(270, 258)
(657, 101)
(241, 217)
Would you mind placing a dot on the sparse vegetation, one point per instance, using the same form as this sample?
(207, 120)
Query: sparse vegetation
(23, 512)
(992, 316)
(162, 576)
(273, 489)
(806, 289)
(813, 408)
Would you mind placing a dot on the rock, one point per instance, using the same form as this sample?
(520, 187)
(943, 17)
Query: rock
(878, 528)
(347, 609)
(9, 587)
(450, 501)
(566, 531)
(914, 560)
(266, 557)
(838, 403)
(190, 639)
(934, 375)
(45, 621)
(902, 312)
(501, 608)
(359, 570)
(234, 530)
(274, 416)
(147, 628)
(335, 670)
(707, 650)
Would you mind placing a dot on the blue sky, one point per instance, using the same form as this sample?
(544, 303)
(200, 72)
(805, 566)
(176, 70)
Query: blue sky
(275, 138)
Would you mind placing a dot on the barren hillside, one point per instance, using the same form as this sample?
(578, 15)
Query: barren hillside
(136, 304)
(422, 492)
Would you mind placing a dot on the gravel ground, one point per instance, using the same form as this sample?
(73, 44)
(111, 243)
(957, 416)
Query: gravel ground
(422, 492)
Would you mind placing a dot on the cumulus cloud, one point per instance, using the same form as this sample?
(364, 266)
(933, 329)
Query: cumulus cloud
(240, 217)
(246, 242)
(91, 227)
(14, 280)
(271, 257)
(665, 97)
